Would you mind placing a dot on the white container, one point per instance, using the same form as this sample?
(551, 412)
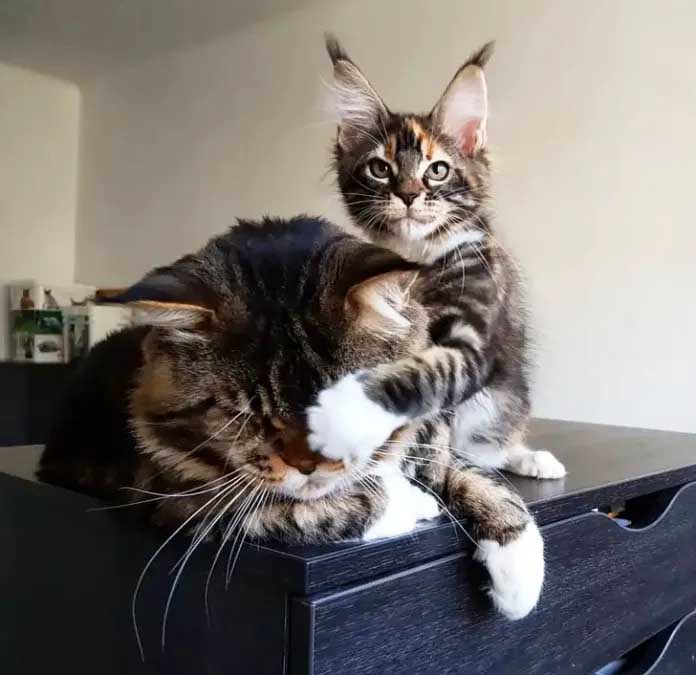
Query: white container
(85, 325)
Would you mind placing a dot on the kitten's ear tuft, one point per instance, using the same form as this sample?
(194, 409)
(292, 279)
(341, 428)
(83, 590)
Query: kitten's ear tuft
(168, 298)
(462, 110)
(378, 289)
(335, 49)
(360, 109)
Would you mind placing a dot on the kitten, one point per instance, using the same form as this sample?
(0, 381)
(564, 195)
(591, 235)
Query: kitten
(203, 405)
(419, 185)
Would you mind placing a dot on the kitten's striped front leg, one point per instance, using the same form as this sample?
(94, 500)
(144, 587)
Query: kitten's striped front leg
(359, 413)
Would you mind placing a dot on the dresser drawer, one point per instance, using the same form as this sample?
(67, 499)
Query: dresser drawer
(679, 653)
(608, 589)
(670, 652)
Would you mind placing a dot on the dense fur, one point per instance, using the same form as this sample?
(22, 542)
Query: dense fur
(420, 185)
(203, 407)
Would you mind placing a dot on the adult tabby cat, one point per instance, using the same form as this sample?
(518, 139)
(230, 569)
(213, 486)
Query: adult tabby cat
(205, 402)
(419, 185)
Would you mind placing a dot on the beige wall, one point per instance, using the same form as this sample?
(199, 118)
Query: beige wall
(593, 124)
(39, 131)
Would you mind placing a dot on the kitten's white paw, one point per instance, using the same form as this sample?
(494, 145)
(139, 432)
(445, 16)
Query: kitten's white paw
(516, 570)
(347, 425)
(406, 505)
(535, 463)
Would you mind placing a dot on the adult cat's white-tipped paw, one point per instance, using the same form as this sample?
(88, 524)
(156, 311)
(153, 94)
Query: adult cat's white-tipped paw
(347, 425)
(424, 506)
(406, 504)
(516, 570)
(535, 463)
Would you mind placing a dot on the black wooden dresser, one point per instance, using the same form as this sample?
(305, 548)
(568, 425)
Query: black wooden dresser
(619, 586)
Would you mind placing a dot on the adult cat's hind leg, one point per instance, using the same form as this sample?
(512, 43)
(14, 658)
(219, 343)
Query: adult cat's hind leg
(486, 432)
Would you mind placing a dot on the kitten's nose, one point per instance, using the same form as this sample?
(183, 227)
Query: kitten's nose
(408, 189)
(408, 197)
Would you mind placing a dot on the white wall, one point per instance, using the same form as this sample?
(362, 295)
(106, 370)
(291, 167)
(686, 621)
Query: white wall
(39, 134)
(594, 130)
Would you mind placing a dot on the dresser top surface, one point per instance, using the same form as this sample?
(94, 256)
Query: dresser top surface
(604, 463)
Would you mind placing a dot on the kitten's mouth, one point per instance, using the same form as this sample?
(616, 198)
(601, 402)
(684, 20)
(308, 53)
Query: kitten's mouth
(410, 221)
(414, 228)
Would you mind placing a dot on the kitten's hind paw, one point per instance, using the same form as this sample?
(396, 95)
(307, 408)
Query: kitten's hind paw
(535, 463)
(516, 570)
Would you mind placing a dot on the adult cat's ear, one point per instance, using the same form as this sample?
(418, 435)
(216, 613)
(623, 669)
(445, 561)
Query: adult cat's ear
(360, 109)
(171, 298)
(379, 295)
(462, 110)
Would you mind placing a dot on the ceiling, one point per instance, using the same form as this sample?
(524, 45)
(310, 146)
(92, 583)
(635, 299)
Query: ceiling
(77, 39)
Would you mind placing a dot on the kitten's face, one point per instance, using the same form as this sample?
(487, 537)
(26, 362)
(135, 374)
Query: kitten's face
(412, 182)
(248, 332)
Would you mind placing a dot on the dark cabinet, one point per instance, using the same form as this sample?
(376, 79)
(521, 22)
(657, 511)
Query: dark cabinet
(29, 394)
(406, 605)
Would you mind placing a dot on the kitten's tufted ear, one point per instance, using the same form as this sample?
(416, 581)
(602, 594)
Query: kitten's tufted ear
(379, 290)
(169, 297)
(359, 107)
(462, 110)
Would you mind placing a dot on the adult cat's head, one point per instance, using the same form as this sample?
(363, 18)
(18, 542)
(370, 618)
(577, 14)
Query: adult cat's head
(247, 331)
(414, 182)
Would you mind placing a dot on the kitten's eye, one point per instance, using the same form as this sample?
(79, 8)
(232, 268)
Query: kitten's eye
(378, 169)
(437, 171)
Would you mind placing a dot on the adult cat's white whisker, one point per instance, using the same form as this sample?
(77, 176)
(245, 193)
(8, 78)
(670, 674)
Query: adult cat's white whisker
(151, 561)
(213, 436)
(372, 487)
(187, 556)
(224, 539)
(446, 510)
(457, 452)
(202, 530)
(162, 496)
(186, 493)
(242, 529)
(236, 438)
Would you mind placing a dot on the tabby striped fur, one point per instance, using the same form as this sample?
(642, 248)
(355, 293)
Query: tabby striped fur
(203, 407)
(477, 366)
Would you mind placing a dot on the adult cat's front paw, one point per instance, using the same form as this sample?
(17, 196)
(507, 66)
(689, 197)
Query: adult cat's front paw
(405, 505)
(347, 425)
(516, 570)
